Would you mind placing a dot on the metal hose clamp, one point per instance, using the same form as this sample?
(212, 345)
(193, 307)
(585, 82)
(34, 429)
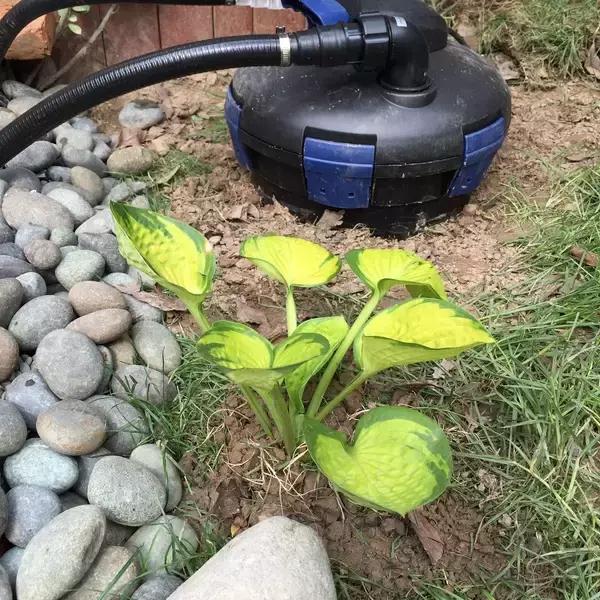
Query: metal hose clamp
(285, 46)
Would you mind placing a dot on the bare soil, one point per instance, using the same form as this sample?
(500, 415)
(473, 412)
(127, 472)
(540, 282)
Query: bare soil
(450, 540)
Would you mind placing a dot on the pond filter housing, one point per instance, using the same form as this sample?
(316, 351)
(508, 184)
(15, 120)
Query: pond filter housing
(392, 156)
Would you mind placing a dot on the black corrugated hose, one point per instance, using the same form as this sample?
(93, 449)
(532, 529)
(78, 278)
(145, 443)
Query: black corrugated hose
(26, 11)
(157, 67)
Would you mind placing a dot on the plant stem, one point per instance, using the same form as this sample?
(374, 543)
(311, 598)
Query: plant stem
(290, 310)
(276, 405)
(334, 363)
(333, 404)
(196, 311)
(255, 404)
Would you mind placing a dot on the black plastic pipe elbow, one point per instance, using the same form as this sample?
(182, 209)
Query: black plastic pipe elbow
(408, 61)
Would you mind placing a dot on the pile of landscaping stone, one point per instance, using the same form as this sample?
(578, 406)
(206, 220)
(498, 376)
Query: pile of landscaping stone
(81, 495)
(85, 499)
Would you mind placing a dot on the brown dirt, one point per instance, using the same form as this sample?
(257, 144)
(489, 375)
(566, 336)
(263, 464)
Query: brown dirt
(560, 126)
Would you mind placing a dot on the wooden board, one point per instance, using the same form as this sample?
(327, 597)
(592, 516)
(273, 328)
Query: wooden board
(232, 20)
(132, 31)
(36, 40)
(184, 24)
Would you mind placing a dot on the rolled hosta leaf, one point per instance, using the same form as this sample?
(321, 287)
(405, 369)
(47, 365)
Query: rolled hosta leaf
(334, 329)
(383, 269)
(292, 261)
(399, 460)
(416, 331)
(251, 360)
(173, 253)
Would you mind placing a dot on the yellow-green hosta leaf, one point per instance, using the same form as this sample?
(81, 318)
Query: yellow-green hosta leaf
(383, 269)
(171, 252)
(244, 355)
(416, 331)
(292, 261)
(399, 459)
(250, 359)
(333, 329)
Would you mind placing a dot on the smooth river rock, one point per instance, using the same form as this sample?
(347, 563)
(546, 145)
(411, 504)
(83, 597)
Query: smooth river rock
(159, 587)
(13, 267)
(278, 558)
(31, 208)
(33, 285)
(126, 425)
(9, 358)
(79, 208)
(127, 492)
(36, 464)
(43, 254)
(70, 363)
(144, 383)
(37, 157)
(86, 465)
(111, 576)
(103, 326)
(164, 544)
(107, 246)
(5, 588)
(29, 393)
(11, 560)
(130, 161)
(13, 430)
(11, 296)
(90, 183)
(36, 319)
(30, 508)
(3, 511)
(90, 296)
(165, 468)
(72, 427)
(59, 556)
(156, 346)
(80, 265)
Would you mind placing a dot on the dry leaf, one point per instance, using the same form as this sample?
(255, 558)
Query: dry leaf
(330, 219)
(592, 61)
(587, 258)
(428, 535)
(238, 213)
(156, 298)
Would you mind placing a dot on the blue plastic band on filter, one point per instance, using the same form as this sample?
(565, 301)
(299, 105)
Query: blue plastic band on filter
(233, 112)
(320, 12)
(480, 149)
(338, 174)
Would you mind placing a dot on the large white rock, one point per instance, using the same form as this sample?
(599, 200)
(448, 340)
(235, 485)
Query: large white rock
(278, 559)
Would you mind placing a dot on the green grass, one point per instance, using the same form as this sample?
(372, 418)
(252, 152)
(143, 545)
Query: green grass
(533, 401)
(555, 33)
(213, 129)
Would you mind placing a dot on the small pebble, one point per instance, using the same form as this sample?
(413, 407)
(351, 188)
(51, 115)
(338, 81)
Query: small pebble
(85, 124)
(156, 346)
(13, 430)
(131, 161)
(74, 157)
(144, 383)
(11, 249)
(21, 178)
(9, 360)
(36, 464)
(15, 89)
(30, 233)
(70, 364)
(13, 267)
(11, 560)
(11, 296)
(141, 114)
(62, 174)
(72, 427)
(43, 254)
(165, 468)
(127, 427)
(36, 157)
(30, 508)
(63, 237)
(33, 285)
(29, 393)
(123, 352)
(107, 246)
(86, 465)
(90, 183)
(80, 265)
(90, 296)
(74, 202)
(103, 326)
(20, 208)
(36, 319)
(101, 222)
(127, 492)
(158, 587)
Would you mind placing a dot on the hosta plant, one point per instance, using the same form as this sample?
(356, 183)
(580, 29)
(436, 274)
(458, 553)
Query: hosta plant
(398, 458)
